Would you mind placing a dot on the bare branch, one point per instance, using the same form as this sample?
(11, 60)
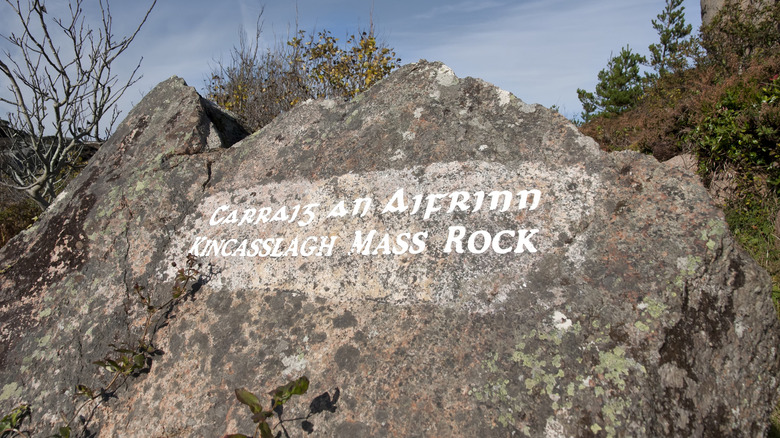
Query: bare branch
(60, 94)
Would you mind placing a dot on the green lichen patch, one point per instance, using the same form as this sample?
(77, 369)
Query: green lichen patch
(642, 327)
(496, 392)
(615, 366)
(687, 268)
(613, 411)
(713, 233)
(554, 376)
(10, 391)
(653, 307)
(715, 228)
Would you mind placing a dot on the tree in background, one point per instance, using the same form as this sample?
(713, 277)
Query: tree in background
(62, 91)
(257, 86)
(344, 72)
(620, 86)
(724, 110)
(675, 46)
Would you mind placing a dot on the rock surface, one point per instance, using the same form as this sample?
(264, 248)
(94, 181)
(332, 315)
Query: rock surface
(722, 184)
(709, 9)
(455, 261)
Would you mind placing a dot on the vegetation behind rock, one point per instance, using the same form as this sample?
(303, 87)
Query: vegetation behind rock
(725, 110)
(259, 85)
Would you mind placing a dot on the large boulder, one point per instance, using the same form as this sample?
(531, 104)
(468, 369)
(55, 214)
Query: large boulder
(438, 257)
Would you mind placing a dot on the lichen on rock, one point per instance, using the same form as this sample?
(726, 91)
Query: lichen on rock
(455, 261)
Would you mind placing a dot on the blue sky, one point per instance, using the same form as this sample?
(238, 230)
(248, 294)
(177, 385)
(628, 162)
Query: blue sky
(540, 50)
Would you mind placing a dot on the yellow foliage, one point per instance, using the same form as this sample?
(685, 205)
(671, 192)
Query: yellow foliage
(258, 89)
(351, 70)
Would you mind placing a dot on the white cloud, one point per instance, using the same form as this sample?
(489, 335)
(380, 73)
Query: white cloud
(540, 50)
(462, 7)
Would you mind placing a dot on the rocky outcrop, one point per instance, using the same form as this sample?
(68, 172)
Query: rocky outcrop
(709, 9)
(437, 256)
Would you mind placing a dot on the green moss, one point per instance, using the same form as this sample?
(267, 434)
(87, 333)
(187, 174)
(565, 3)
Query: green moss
(555, 336)
(491, 365)
(350, 118)
(714, 229)
(543, 371)
(690, 265)
(528, 360)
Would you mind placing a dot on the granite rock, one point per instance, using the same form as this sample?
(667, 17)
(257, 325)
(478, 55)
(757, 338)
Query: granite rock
(709, 9)
(437, 256)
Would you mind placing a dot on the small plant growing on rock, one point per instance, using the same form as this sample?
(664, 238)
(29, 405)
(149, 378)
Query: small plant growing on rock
(260, 416)
(10, 424)
(133, 359)
(280, 396)
(130, 361)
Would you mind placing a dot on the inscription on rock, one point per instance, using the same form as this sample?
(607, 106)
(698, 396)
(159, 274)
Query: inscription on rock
(399, 235)
(372, 242)
(445, 256)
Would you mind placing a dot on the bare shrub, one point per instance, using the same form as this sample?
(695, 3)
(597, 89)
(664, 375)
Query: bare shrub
(63, 93)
